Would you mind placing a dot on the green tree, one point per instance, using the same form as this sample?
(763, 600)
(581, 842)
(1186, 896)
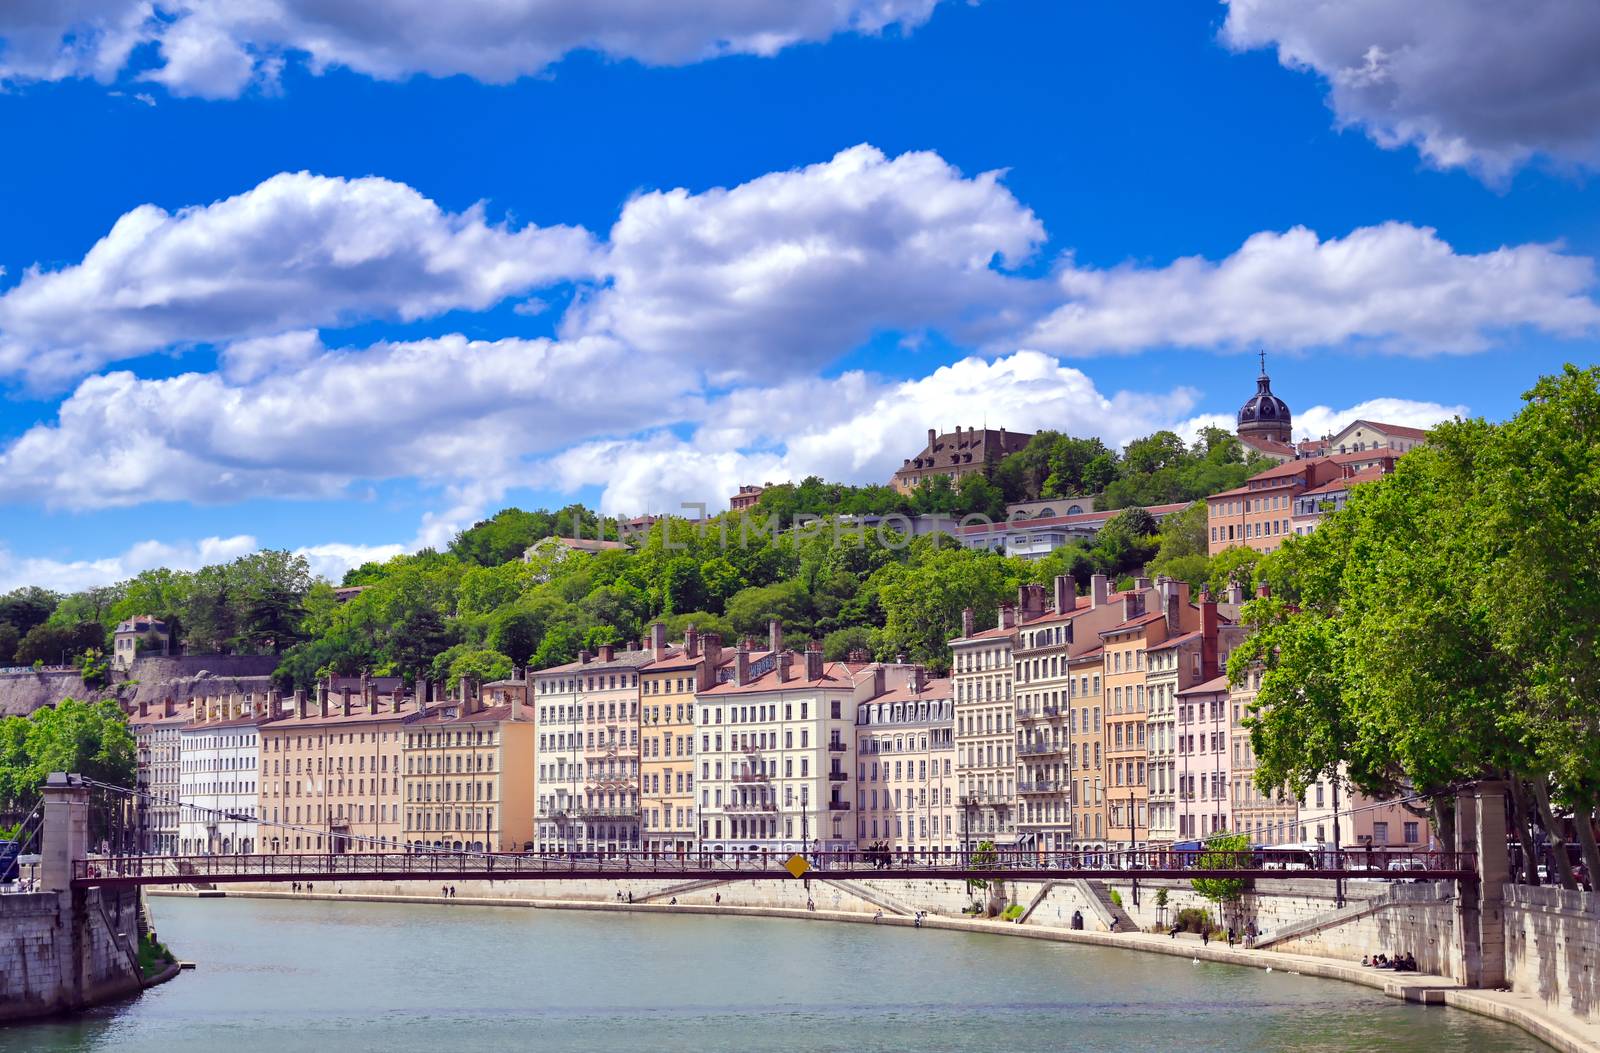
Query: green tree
(922, 600)
(89, 738)
(49, 644)
(839, 644)
(1223, 852)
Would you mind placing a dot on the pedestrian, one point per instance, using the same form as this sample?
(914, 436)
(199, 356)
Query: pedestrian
(452, 892)
(619, 895)
(630, 895)
(1205, 935)
(1230, 935)
(444, 891)
(719, 899)
(674, 902)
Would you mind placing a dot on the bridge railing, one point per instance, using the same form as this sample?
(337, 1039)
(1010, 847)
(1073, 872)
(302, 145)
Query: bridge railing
(1390, 864)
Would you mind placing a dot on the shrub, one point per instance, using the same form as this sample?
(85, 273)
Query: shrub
(1012, 913)
(1194, 919)
(1116, 898)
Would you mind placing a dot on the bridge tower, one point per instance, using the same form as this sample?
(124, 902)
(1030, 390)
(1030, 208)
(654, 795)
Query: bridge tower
(1479, 951)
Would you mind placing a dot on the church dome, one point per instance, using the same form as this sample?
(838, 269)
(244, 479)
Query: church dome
(1265, 414)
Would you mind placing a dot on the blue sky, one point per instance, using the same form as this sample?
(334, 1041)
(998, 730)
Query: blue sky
(542, 253)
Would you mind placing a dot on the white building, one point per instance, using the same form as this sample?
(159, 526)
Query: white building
(156, 733)
(218, 778)
(586, 759)
(777, 738)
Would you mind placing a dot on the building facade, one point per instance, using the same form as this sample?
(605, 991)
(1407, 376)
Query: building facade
(668, 686)
(986, 762)
(157, 742)
(905, 768)
(956, 454)
(219, 771)
(1204, 777)
(1267, 818)
(1088, 749)
(138, 635)
(468, 783)
(330, 770)
(776, 739)
(587, 752)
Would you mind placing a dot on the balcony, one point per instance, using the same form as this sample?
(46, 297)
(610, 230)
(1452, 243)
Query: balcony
(751, 776)
(838, 806)
(751, 806)
(838, 747)
(1043, 786)
(838, 776)
(1039, 749)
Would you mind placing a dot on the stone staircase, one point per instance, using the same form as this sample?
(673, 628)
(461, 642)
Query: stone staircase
(877, 899)
(1395, 896)
(1113, 917)
(684, 888)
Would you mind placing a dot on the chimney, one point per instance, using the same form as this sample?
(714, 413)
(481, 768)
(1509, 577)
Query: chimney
(169, 708)
(691, 642)
(878, 680)
(1008, 616)
(933, 437)
(1030, 601)
(606, 652)
(741, 664)
(1205, 592)
(1235, 592)
(966, 622)
(1066, 597)
(712, 643)
(658, 640)
(919, 678)
(322, 703)
(344, 701)
(785, 658)
(814, 660)
(144, 709)
(1099, 590)
(584, 657)
(1263, 590)
(1208, 639)
(1132, 605)
(775, 635)
(1141, 583)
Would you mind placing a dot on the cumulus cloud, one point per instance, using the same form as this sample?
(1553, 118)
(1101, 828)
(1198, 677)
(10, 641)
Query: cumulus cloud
(215, 48)
(1392, 287)
(856, 428)
(328, 561)
(72, 575)
(1482, 84)
(440, 410)
(298, 250)
(1316, 421)
(787, 271)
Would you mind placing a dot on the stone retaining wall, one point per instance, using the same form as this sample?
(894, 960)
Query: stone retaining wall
(1553, 947)
(55, 958)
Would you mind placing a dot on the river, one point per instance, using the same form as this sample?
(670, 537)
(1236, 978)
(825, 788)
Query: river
(281, 976)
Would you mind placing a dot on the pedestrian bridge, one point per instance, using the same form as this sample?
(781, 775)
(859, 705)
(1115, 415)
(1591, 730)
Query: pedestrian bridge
(1255, 865)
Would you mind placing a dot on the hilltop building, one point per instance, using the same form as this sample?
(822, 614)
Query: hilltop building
(956, 454)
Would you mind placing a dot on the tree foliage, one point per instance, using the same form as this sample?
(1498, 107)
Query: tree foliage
(90, 738)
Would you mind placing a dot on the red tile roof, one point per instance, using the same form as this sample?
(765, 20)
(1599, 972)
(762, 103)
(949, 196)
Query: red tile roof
(1210, 687)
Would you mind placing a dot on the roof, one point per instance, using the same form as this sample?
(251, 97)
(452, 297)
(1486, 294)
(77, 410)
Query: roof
(1400, 430)
(995, 633)
(1360, 456)
(1176, 640)
(1210, 687)
(1098, 651)
(1273, 446)
(939, 690)
(619, 660)
(1134, 623)
(249, 720)
(1365, 475)
(834, 675)
(358, 715)
(438, 714)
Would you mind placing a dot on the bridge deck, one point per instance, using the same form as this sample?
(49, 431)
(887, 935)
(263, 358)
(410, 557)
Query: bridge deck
(1260, 865)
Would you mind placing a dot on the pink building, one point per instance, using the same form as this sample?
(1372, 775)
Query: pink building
(1202, 760)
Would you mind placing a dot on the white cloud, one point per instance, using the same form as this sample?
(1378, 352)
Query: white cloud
(298, 250)
(1323, 420)
(328, 561)
(789, 270)
(215, 48)
(1393, 287)
(72, 575)
(856, 429)
(1484, 84)
(440, 410)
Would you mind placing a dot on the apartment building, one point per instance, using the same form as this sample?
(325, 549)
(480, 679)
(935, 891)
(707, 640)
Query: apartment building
(1175, 665)
(1363, 821)
(330, 769)
(1270, 818)
(1260, 514)
(156, 739)
(587, 759)
(1088, 749)
(1203, 774)
(776, 736)
(668, 685)
(468, 781)
(905, 766)
(986, 763)
(219, 766)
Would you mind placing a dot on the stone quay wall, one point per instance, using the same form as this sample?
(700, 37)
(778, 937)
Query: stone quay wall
(59, 955)
(1553, 947)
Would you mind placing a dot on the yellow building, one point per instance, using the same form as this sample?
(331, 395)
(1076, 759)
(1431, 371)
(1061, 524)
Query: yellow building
(468, 780)
(667, 688)
(330, 769)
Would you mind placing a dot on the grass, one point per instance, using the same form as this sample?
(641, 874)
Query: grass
(153, 956)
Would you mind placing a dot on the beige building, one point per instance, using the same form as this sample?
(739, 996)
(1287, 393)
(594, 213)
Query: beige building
(668, 685)
(1088, 749)
(138, 635)
(330, 769)
(1267, 818)
(468, 782)
(586, 756)
(905, 767)
(986, 762)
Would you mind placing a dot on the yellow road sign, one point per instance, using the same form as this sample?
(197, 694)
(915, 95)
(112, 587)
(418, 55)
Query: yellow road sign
(796, 865)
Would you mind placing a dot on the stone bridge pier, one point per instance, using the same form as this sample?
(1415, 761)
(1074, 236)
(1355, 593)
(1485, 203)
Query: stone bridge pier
(1479, 958)
(65, 948)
